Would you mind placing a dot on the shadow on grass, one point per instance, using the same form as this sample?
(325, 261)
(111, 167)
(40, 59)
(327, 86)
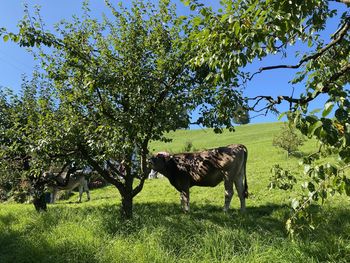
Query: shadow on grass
(170, 216)
(29, 241)
(299, 154)
(7, 219)
(330, 239)
(15, 246)
(177, 232)
(328, 242)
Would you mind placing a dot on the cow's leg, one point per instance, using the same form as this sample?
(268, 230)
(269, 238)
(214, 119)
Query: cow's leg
(88, 194)
(228, 194)
(86, 189)
(185, 200)
(80, 192)
(53, 196)
(240, 189)
(68, 193)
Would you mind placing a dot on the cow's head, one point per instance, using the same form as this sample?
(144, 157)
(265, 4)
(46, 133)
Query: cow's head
(48, 176)
(158, 162)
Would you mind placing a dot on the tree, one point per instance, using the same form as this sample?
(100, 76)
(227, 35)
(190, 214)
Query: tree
(120, 83)
(242, 32)
(24, 119)
(288, 139)
(126, 81)
(8, 178)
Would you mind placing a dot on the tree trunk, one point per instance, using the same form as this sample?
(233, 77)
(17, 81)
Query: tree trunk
(40, 203)
(127, 196)
(126, 208)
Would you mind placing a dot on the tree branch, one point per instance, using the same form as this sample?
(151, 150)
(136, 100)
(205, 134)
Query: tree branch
(60, 155)
(340, 33)
(104, 109)
(301, 101)
(105, 174)
(347, 2)
(115, 169)
(138, 188)
(144, 168)
(70, 171)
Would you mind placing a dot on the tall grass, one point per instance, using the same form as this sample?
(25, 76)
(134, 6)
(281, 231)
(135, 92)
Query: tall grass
(160, 232)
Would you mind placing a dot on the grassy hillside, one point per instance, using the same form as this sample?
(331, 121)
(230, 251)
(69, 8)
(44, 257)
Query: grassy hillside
(261, 154)
(160, 232)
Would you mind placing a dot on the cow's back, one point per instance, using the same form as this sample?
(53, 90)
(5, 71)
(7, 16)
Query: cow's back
(209, 167)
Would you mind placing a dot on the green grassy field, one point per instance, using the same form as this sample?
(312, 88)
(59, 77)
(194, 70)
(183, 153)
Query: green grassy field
(160, 232)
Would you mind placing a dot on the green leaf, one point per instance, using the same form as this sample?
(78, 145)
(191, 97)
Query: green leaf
(251, 7)
(307, 169)
(261, 19)
(327, 108)
(237, 28)
(311, 187)
(224, 17)
(196, 21)
(295, 204)
(5, 38)
(282, 115)
(309, 43)
(314, 127)
(341, 114)
(186, 2)
(204, 12)
(347, 187)
(230, 19)
(315, 111)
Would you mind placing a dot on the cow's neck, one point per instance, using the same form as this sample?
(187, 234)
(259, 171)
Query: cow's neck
(170, 169)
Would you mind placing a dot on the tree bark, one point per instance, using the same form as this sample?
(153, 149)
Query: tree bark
(126, 208)
(127, 196)
(40, 203)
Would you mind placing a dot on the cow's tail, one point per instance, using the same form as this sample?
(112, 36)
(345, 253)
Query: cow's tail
(245, 172)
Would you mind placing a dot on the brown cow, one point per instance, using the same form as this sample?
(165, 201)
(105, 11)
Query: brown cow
(206, 168)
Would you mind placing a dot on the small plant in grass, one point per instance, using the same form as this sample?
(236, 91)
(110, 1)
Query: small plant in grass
(288, 139)
(189, 147)
(281, 179)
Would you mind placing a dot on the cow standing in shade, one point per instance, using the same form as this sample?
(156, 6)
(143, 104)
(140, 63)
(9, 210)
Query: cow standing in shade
(61, 182)
(206, 168)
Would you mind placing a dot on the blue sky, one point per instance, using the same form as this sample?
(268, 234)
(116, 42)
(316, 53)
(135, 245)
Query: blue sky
(15, 61)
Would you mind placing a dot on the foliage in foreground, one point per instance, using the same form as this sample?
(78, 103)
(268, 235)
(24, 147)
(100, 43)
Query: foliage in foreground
(242, 33)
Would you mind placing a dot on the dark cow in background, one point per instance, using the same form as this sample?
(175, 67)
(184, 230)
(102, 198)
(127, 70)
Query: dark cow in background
(206, 168)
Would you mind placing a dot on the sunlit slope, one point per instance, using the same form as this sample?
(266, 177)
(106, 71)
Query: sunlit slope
(262, 155)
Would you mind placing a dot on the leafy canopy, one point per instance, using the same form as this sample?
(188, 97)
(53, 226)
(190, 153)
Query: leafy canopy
(241, 32)
(119, 83)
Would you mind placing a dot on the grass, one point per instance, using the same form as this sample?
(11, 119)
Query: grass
(160, 232)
